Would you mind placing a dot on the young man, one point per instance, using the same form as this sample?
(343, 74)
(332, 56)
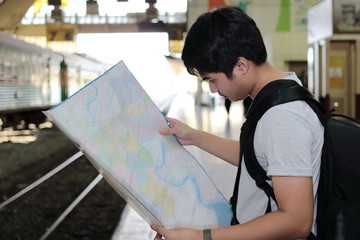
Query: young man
(225, 48)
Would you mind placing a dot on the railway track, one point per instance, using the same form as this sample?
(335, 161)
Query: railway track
(31, 215)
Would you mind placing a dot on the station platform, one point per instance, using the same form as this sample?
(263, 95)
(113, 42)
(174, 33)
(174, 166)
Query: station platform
(213, 119)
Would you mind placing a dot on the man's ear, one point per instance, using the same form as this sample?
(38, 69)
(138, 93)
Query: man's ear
(242, 65)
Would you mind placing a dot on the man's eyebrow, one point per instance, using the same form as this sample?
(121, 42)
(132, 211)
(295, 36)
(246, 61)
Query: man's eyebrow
(205, 78)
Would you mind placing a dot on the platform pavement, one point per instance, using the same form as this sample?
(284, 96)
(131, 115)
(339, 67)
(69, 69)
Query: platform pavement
(212, 119)
(132, 227)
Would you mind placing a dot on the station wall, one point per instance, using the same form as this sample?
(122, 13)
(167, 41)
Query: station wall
(283, 24)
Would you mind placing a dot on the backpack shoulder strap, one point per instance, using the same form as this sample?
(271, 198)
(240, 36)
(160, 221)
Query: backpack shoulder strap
(275, 93)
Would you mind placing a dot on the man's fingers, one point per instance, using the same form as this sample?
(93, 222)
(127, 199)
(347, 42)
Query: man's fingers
(166, 131)
(158, 236)
(155, 228)
(171, 121)
(159, 231)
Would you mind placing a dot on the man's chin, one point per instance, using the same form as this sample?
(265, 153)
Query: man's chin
(223, 95)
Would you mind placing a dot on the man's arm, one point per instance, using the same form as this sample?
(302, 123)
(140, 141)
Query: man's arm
(293, 219)
(228, 150)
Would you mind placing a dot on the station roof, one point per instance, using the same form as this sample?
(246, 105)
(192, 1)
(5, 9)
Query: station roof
(11, 13)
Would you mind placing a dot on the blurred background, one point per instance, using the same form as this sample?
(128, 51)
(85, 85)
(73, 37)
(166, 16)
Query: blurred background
(49, 49)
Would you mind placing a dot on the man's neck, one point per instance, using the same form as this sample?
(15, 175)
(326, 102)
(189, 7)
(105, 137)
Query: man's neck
(265, 74)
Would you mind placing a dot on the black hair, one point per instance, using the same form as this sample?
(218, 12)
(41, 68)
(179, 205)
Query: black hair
(218, 38)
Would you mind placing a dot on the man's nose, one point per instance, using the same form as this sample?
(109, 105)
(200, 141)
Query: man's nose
(212, 87)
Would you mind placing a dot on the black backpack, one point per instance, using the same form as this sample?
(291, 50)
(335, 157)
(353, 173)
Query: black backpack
(338, 214)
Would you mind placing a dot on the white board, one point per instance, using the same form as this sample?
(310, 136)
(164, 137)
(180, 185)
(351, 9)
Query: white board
(115, 124)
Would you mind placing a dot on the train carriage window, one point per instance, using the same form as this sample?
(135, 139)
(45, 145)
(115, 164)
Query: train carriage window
(34, 68)
(16, 54)
(7, 69)
(32, 73)
(27, 57)
(43, 72)
(22, 72)
(14, 70)
(28, 71)
(14, 67)
(1, 70)
(5, 51)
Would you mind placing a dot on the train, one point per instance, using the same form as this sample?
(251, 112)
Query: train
(33, 79)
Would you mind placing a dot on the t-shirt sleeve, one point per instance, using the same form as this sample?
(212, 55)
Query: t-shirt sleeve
(285, 141)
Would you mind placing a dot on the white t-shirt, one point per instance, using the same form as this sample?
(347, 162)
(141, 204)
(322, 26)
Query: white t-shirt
(288, 142)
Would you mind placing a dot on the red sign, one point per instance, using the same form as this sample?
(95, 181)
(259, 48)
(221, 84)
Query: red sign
(216, 3)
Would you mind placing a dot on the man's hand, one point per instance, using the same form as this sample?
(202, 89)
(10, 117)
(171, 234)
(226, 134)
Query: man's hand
(176, 233)
(183, 132)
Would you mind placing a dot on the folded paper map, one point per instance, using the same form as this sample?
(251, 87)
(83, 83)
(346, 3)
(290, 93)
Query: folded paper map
(115, 124)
